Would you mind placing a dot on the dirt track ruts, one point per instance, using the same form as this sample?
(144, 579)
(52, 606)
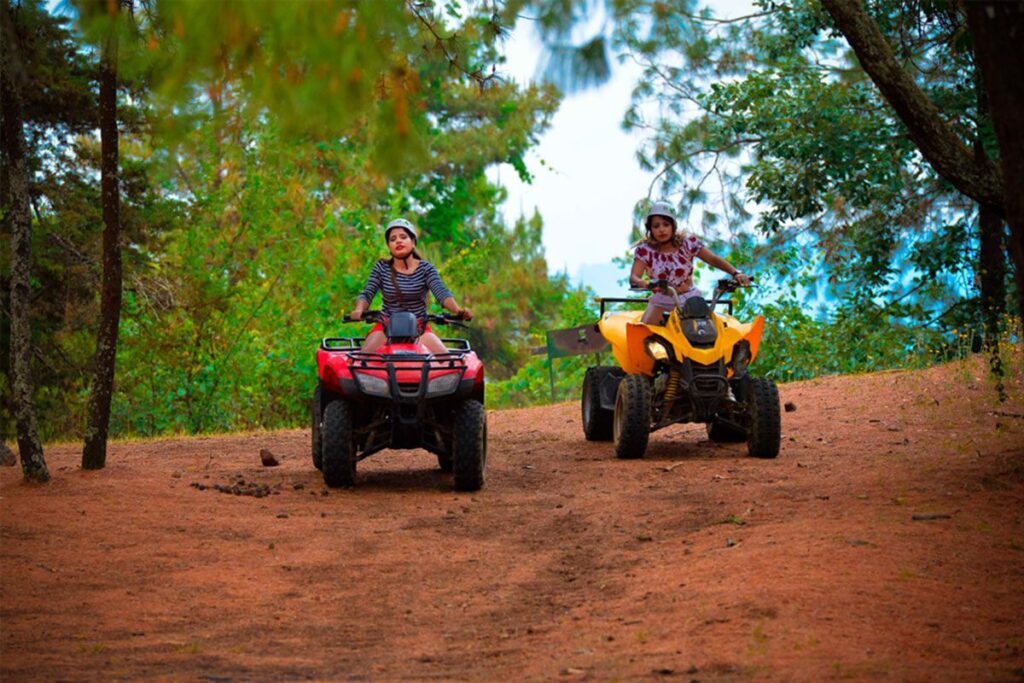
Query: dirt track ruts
(885, 543)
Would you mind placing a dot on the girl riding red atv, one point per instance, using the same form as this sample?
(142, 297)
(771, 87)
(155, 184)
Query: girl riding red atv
(404, 281)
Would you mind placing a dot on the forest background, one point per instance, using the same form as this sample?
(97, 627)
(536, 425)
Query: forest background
(262, 146)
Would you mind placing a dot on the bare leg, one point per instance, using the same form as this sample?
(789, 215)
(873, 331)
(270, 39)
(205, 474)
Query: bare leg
(373, 341)
(653, 314)
(433, 343)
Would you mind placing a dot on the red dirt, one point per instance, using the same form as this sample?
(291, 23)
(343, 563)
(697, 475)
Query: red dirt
(885, 543)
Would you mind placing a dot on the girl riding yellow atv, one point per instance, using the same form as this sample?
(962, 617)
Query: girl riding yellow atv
(690, 365)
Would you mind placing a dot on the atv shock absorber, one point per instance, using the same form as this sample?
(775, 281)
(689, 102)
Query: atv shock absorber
(671, 389)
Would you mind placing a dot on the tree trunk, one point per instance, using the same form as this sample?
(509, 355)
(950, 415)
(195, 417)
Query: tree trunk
(17, 216)
(938, 143)
(998, 31)
(991, 253)
(94, 455)
(991, 271)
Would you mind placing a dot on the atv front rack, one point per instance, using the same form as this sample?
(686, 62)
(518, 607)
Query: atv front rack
(372, 360)
(353, 344)
(602, 300)
(418, 365)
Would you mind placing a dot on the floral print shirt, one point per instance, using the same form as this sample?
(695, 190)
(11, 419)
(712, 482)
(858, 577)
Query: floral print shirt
(675, 266)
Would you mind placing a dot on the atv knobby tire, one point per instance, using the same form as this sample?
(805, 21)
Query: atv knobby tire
(318, 441)
(597, 421)
(445, 462)
(338, 461)
(765, 435)
(632, 419)
(721, 432)
(469, 447)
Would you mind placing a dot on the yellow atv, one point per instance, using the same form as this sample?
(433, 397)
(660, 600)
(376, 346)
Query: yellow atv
(691, 368)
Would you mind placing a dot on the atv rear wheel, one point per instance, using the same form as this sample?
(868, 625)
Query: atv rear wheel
(632, 423)
(597, 421)
(318, 441)
(339, 450)
(469, 448)
(765, 434)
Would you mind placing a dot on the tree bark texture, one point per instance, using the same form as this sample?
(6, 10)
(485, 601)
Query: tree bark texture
(17, 216)
(991, 249)
(94, 453)
(991, 270)
(997, 28)
(951, 158)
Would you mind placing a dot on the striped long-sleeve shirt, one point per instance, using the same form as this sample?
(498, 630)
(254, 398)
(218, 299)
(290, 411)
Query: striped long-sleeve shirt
(414, 286)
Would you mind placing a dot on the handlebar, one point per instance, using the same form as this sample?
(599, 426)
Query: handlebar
(380, 317)
(446, 319)
(724, 286)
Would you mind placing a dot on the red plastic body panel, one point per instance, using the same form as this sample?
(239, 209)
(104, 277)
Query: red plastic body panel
(333, 366)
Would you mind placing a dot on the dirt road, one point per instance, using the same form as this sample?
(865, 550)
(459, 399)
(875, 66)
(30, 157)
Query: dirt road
(885, 543)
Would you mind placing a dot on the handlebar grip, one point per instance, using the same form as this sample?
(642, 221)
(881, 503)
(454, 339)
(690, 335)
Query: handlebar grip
(368, 317)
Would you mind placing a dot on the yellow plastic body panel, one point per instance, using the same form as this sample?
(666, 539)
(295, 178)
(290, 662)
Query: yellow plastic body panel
(627, 335)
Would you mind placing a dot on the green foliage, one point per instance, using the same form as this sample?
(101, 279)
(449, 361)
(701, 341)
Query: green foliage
(264, 144)
(531, 383)
(250, 224)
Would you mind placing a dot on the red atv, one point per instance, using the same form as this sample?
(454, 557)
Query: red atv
(400, 396)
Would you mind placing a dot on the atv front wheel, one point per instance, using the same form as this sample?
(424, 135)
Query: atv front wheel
(632, 423)
(469, 450)
(765, 434)
(445, 462)
(318, 441)
(597, 421)
(339, 450)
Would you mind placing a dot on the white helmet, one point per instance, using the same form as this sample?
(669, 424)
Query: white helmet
(401, 223)
(660, 209)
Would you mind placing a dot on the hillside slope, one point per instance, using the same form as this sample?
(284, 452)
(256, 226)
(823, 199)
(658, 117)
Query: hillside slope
(885, 542)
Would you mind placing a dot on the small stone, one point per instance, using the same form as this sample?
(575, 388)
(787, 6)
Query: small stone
(268, 459)
(729, 543)
(789, 406)
(282, 515)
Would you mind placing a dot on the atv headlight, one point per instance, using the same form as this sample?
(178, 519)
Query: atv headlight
(656, 349)
(373, 385)
(445, 384)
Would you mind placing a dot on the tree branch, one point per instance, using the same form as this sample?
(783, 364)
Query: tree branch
(949, 156)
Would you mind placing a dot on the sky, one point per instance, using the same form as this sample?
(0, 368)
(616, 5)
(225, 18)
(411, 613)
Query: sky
(586, 177)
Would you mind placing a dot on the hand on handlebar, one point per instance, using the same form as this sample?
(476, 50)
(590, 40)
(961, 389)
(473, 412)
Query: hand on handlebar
(358, 315)
(446, 318)
(657, 285)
